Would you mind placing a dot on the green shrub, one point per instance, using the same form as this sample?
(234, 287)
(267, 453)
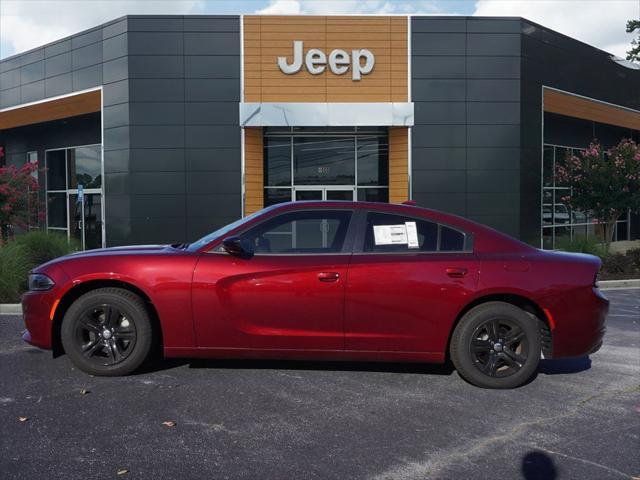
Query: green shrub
(634, 255)
(40, 246)
(582, 244)
(618, 263)
(14, 268)
(25, 252)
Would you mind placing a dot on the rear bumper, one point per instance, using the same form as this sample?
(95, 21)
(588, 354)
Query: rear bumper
(580, 323)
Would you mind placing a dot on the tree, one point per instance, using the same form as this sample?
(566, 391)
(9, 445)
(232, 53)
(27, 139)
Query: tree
(604, 183)
(18, 198)
(633, 55)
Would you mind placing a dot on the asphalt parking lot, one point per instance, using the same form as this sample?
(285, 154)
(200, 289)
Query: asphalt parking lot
(579, 418)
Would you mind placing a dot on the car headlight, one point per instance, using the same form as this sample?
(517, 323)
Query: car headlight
(39, 282)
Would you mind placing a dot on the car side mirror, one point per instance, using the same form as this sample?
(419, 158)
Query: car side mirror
(236, 247)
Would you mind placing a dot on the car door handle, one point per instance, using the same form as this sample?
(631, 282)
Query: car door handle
(328, 276)
(456, 272)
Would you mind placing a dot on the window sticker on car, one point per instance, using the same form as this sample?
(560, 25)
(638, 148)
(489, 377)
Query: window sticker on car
(412, 235)
(390, 234)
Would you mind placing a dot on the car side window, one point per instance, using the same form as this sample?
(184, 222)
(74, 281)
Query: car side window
(396, 233)
(300, 232)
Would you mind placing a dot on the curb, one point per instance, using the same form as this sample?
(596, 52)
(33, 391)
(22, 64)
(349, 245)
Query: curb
(615, 284)
(10, 309)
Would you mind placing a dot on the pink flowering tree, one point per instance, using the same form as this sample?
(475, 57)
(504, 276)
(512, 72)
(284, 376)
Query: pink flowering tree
(18, 198)
(604, 183)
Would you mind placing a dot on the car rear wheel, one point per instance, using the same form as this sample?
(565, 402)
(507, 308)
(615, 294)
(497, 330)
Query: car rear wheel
(107, 332)
(496, 345)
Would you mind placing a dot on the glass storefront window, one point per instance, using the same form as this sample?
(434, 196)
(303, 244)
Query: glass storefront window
(85, 167)
(324, 160)
(57, 170)
(559, 222)
(373, 195)
(57, 210)
(276, 195)
(373, 161)
(277, 163)
(340, 163)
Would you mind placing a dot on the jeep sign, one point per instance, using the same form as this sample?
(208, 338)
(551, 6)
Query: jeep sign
(361, 61)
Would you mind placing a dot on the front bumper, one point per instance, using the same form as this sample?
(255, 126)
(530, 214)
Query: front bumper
(36, 313)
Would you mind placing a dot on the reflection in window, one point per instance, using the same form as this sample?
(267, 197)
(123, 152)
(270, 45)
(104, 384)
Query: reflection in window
(560, 223)
(301, 232)
(324, 160)
(349, 157)
(57, 210)
(277, 161)
(84, 167)
(57, 170)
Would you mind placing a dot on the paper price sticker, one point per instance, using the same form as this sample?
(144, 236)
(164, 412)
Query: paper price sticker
(390, 234)
(404, 234)
(412, 235)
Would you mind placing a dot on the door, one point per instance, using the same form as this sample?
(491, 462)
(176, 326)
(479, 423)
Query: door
(288, 295)
(85, 218)
(404, 289)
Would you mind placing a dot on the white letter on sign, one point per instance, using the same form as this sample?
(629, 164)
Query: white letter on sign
(297, 59)
(315, 61)
(358, 67)
(339, 61)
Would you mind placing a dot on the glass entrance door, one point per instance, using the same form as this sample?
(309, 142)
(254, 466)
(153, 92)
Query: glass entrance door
(70, 170)
(324, 193)
(85, 219)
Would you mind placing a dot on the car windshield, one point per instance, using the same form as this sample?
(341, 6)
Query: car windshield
(198, 244)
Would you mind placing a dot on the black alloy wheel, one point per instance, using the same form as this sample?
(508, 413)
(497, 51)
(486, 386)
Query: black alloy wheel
(496, 345)
(107, 332)
(499, 347)
(105, 335)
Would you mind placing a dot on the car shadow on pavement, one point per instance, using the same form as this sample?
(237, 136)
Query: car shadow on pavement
(546, 367)
(160, 364)
(415, 368)
(562, 366)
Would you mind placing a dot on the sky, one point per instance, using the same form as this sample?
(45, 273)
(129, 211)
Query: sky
(25, 24)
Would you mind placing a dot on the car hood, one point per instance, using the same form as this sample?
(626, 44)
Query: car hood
(111, 252)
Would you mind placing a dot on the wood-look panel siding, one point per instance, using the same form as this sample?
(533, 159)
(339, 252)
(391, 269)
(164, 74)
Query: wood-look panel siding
(573, 106)
(268, 37)
(253, 170)
(398, 164)
(52, 110)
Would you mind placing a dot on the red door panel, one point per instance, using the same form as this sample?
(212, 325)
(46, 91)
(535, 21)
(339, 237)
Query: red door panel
(406, 302)
(270, 301)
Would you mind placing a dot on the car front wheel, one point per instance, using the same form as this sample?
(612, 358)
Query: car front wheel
(107, 332)
(496, 345)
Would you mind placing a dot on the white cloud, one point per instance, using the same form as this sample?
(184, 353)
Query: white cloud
(328, 7)
(598, 23)
(26, 24)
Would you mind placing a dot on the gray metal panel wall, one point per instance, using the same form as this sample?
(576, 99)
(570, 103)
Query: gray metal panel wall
(172, 137)
(171, 87)
(466, 140)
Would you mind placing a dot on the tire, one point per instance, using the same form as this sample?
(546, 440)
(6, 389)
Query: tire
(496, 345)
(107, 332)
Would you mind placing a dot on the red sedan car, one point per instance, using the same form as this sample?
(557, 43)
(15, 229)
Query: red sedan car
(325, 280)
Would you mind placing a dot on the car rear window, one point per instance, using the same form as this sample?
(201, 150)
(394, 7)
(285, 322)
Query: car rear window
(396, 233)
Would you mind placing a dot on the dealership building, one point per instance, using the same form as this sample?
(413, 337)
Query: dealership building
(158, 129)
